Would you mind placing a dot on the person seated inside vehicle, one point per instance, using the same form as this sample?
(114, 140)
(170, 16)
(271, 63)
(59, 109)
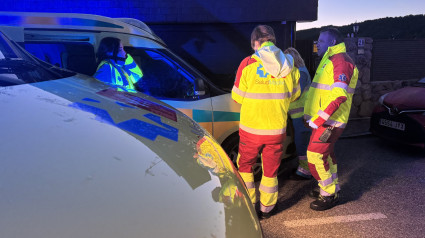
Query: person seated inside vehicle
(116, 67)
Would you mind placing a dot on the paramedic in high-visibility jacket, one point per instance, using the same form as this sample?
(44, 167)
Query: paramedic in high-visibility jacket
(266, 82)
(327, 109)
(116, 67)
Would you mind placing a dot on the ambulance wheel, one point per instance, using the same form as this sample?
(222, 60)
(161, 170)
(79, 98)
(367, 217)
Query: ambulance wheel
(231, 146)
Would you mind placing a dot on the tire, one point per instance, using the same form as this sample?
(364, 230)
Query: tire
(231, 147)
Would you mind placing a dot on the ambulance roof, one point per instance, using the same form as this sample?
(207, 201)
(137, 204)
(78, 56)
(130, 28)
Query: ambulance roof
(76, 21)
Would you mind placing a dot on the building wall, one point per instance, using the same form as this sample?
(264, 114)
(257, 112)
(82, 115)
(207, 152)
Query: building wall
(398, 59)
(180, 11)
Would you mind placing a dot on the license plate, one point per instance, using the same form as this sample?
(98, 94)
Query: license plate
(392, 124)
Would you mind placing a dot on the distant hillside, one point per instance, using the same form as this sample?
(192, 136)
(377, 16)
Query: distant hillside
(407, 27)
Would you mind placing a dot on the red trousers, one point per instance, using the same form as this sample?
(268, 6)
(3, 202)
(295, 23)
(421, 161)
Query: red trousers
(270, 146)
(322, 161)
(271, 149)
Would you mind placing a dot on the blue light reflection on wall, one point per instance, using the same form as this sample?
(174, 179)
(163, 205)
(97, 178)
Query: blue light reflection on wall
(110, 8)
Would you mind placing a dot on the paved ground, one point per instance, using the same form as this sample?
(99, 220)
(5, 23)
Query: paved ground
(383, 192)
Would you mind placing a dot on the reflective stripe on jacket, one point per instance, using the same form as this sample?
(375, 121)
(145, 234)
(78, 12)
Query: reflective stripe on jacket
(331, 92)
(265, 98)
(121, 76)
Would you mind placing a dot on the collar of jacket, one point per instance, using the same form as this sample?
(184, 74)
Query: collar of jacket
(118, 63)
(336, 49)
(267, 43)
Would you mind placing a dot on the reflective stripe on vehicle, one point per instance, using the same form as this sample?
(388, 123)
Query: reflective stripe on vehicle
(217, 116)
(54, 21)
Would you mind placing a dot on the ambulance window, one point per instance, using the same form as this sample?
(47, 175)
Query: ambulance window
(162, 77)
(76, 56)
(19, 67)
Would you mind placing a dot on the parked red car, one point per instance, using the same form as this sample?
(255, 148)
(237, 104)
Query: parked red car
(400, 117)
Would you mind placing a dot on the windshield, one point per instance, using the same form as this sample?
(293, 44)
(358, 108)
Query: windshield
(19, 67)
(166, 76)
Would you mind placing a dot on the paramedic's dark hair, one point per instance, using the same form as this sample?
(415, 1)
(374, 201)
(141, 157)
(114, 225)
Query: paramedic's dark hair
(262, 33)
(334, 34)
(108, 45)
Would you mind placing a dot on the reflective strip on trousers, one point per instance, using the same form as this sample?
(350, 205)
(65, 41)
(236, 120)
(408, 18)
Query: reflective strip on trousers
(248, 178)
(324, 193)
(303, 166)
(268, 193)
(328, 181)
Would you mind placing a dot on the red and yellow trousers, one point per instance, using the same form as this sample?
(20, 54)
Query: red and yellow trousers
(271, 148)
(322, 161)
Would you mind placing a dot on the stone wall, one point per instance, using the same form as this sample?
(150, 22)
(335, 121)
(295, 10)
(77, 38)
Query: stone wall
(362, 55)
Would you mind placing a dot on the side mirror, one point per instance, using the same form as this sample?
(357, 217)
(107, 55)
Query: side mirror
(199, 87)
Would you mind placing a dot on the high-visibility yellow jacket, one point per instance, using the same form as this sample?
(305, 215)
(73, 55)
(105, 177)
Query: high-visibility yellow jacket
(296, 108)
(331, 92)
(123, 75)
(266, 82)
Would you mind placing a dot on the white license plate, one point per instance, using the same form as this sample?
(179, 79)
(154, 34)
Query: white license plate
(392, 124)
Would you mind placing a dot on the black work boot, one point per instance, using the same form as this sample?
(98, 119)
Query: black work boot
(325, 202)
(314, 193)
(267, 215)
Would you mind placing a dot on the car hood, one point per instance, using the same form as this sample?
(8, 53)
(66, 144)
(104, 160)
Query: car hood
(406, 98)
(79, 159)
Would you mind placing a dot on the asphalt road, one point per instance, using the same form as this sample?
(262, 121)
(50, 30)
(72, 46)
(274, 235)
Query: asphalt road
(382, 189)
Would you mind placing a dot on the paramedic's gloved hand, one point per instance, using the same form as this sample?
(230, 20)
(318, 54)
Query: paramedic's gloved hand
(312, 125)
